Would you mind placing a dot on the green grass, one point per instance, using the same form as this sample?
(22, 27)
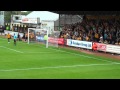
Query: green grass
(34, 61)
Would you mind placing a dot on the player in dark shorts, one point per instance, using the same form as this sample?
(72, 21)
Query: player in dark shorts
(15, 37)
(8, 36)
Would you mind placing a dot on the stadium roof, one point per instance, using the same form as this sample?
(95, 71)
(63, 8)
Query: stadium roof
(88, 12)
(43, 15)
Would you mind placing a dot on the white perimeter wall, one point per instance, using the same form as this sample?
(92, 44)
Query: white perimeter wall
(48, 25)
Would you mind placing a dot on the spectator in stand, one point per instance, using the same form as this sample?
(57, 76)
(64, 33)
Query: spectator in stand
(23, 37)
(101, 39)
(118, 37)
(101, 30)
(18, 36)
(73, 37)
(87, 38)
(78, 38)
(26, 36)
(110, 38)
(62, 35)
(65, 36)
(96, 37)
(94, 47)
(118, 41)
(105, 36)
(84, 37)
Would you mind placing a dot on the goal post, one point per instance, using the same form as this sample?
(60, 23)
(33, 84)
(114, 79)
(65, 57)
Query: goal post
(43, 36)
(33, 35)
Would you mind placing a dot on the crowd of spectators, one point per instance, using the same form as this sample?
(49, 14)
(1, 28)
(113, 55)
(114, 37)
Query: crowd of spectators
(102, 31)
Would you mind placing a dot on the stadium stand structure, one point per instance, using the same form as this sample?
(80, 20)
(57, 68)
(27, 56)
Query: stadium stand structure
(100, 23)
(88, 12)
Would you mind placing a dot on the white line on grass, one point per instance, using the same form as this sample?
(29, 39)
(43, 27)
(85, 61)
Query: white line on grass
(11, 49)
(38, 52)
(76, 54)
(57, 67)
(3, 39)
(84, 56)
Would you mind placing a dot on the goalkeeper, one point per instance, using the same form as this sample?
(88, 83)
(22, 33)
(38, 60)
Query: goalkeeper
(45, 38)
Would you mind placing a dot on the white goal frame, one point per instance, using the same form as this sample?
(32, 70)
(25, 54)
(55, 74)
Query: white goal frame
(38, 30)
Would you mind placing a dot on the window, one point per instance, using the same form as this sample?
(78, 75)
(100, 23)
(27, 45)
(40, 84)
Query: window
(17, 18)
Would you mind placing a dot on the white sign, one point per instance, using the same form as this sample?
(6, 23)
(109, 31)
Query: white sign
(113, 49)
(29, 20)
(81, 44)
(12, 33)
(6, 31)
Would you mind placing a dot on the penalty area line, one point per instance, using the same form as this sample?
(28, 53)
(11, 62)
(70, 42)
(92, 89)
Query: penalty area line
(11, 49)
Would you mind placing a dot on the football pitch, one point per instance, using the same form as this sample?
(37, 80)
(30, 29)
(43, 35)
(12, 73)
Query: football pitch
(35, 61)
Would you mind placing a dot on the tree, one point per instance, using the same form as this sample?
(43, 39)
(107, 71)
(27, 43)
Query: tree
(9, 13)
(8, 16)
(25, 13)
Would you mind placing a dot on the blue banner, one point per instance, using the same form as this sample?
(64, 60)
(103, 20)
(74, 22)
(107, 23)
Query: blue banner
(40, 38)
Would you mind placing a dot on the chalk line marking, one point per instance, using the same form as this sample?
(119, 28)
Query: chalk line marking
(55, 67)
(11, 49)
(38, 52)
(85, 56)
(74, 53)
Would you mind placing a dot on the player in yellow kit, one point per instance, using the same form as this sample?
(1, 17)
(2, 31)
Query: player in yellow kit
(8, 37)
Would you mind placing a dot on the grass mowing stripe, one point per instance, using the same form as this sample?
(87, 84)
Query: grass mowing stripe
(57, 67)
(73, 53)
(38, 52)
(11, 49)
(85, 56)
(3, 39)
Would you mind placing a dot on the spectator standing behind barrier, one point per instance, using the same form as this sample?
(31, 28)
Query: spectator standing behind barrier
(18, 36)
(96, 37)
(38, 37)
(23, 37)
(94, 47)
(107, 27)
(101, 39)
(26, 36)
(105, 36)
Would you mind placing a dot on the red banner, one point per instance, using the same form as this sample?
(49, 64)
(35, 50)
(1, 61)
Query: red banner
(101, 47)
(56, 40)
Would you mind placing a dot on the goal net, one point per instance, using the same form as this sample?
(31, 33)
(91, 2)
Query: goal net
(43, 36)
